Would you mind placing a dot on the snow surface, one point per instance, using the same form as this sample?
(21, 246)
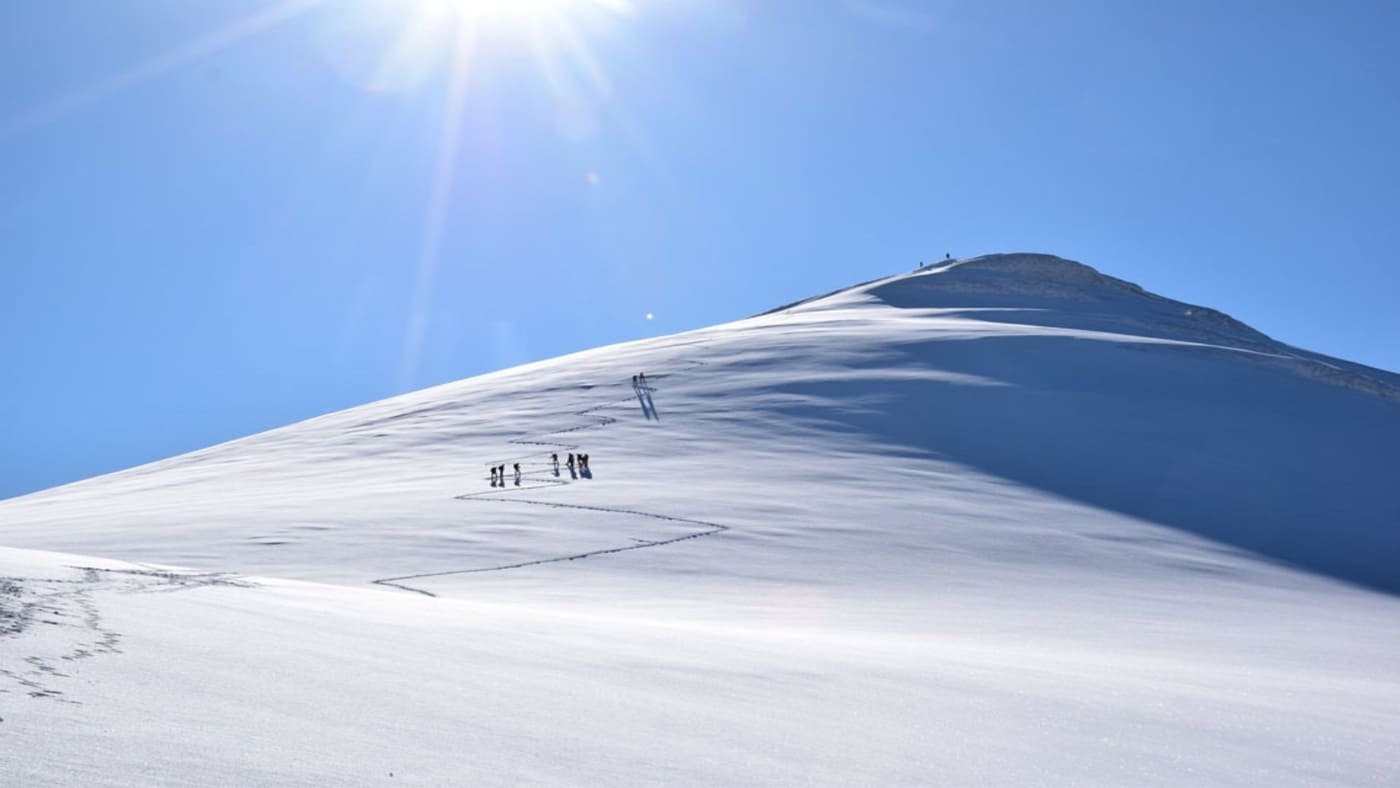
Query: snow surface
(1005, 520)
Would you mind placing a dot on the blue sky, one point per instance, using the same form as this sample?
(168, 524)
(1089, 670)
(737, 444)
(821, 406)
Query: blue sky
(221, 217)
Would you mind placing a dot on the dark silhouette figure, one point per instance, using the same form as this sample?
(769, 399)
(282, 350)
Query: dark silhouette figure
(634, 380)
(570, 463)
(493, 476)
(554, 460)
(583, 458)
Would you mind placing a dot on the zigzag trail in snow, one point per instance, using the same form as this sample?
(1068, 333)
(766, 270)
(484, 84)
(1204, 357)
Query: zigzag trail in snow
(710, 528)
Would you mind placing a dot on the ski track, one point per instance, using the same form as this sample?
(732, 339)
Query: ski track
(537, 440)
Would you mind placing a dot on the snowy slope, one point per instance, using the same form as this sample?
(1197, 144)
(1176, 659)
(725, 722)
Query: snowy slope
(1003, 520)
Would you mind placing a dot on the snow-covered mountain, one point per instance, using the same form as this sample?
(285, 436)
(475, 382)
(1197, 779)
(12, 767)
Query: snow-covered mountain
(1002, 520)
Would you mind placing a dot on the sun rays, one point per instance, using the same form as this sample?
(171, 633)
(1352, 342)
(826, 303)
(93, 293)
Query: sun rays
(564, 59)
(417, 52)
(445, 162)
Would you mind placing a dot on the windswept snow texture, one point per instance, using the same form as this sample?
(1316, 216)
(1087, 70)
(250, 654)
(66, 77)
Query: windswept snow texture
(1005, 520)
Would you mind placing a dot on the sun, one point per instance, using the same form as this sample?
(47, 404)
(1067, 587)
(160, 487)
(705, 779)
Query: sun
(417, 50)
(408, 42)
(445, 37)
(518, 10)
(426, 50)
(478, 9)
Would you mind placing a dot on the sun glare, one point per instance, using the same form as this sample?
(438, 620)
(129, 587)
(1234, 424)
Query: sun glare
(546, 30)
(520, 9)
(399, 47)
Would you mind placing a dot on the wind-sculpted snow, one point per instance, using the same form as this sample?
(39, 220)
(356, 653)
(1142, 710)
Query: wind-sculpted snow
(1005, 520)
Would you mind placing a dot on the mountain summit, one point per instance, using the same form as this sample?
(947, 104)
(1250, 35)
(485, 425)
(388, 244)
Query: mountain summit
(985, 521)
(1044, 290)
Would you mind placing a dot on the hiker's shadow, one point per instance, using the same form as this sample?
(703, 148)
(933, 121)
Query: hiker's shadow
(573, 474)
(585, 473)
(644, 399)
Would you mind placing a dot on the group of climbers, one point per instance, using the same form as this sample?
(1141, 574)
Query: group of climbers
(576, 463)
(498, 474)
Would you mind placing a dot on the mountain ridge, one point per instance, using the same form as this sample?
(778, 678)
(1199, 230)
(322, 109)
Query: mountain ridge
(863, 540)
